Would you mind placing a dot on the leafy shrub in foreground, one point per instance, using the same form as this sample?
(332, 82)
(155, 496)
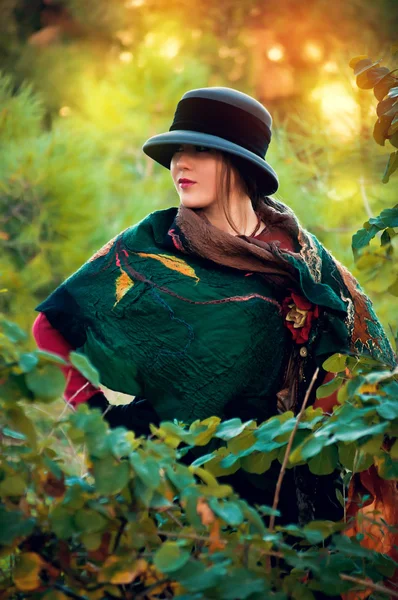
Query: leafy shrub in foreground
(127, 519)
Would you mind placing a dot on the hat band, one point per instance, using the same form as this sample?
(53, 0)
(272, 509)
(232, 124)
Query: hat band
(215, 118)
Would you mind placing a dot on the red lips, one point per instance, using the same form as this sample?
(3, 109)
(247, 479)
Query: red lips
(183, 180)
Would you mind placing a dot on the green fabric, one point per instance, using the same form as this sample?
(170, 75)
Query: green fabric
(186, 335)
(191, 336)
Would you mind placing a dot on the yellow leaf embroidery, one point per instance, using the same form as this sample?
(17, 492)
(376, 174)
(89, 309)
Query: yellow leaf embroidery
(172, 262)
(123, 284)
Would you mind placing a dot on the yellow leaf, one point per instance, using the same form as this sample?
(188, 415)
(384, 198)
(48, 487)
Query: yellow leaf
(118, 571)
(123, 284)
(203, 437)
(172, 262)
(371, 388)
(150, 578)
(27, 570)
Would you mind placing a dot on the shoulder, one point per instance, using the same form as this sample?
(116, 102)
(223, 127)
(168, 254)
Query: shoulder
(152, 228)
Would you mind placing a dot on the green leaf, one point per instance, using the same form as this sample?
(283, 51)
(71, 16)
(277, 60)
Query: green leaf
(328, 388)
(335, 363)
(50, 357)
(374, 445)
(189, 497)
(92, 541)
(217, 491)
(12, 331)
(325, 462)
(310, 447)
(13, 485)
(340, 497)
(180, 476)
(204, 430)
(258, 462)
(387, 218)
(147, 469)
(363, 236)
(391, 167)
(15, 435)
(352, 458)
(394, 451)
(241, 583)
(268, 510)
(357, 429)
(242, 441)
(172, 434)
(16, 415)
(215, 466)
(195, 577)
(62, 522)
(388, 408)
(230, 429)
(253, 517)
(14, 389)
(14, 525)
(28, 361)
(170, 557)
(230, 512)
(47, 382)
(89, 521)
(317, 531)
(53, 467)
(84, 366)
(110, 476)
(202, 460)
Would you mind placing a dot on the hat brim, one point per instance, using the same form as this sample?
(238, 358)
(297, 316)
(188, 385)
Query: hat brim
(162, 147)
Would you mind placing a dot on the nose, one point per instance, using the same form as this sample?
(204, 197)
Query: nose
(183, 160)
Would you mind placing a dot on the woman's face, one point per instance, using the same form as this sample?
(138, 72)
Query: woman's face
(201, 165)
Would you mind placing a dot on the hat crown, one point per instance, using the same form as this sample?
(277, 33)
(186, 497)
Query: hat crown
(225, 119)
(234, 98)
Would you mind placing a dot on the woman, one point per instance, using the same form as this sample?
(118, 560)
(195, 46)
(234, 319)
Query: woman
(224, 306)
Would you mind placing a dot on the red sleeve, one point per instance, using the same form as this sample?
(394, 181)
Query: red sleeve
(78, 388)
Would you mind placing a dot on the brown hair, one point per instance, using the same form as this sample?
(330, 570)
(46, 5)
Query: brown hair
(246, 180)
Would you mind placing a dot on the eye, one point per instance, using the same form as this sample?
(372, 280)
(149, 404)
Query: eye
(202, 149)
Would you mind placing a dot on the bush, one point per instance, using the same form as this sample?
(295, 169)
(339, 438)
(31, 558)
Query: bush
(116, 516)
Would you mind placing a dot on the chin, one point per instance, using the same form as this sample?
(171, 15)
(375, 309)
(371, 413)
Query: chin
(193, 202)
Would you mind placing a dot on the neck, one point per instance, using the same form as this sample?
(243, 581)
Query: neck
(242, 215)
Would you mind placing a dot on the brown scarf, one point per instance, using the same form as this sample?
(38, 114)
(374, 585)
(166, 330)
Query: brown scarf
(241, 252)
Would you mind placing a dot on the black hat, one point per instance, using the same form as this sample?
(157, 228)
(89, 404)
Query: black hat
(224, 119)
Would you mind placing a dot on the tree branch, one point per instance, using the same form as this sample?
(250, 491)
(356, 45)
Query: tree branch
(193, 536)
(119, 534)
(288, 449)
(364, 197)
(368, 583)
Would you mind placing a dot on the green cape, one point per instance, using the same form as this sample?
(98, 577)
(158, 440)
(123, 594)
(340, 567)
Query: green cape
(195, 337)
